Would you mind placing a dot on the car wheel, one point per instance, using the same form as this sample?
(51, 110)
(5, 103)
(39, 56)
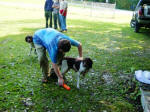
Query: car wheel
(137, 27)
(132, 23)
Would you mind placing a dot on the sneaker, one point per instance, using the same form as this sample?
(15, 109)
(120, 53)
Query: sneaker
(65, 31)
(44, 80)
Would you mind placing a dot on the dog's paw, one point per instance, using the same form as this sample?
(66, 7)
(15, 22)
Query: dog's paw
(35, 53)
(78, 87)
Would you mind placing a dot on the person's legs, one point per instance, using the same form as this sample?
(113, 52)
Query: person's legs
(55, 20)
(65, 23)
(41, 52)
(62, 22)
(58, 19)
(50, 16)
(46, 18)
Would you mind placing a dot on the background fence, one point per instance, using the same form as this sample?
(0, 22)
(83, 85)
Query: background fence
(94, 9)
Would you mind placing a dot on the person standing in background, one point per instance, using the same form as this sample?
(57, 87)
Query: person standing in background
(63, 14)
(55, 7)
(48, 12)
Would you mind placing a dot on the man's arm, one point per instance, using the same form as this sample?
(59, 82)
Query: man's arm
(64, 11)
(58, 73)
(45, 6)
(54, 6)
(80, 50)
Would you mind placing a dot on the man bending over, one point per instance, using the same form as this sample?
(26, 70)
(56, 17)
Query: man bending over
(56, 44)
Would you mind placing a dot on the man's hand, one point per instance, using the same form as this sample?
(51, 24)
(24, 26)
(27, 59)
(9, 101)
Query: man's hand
(80, 58)
(59, 75)
(60, 81)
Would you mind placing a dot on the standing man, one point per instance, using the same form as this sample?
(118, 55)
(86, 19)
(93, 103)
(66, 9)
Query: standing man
(56, 6)
(56, 44)
(48, 12)
(63, 14)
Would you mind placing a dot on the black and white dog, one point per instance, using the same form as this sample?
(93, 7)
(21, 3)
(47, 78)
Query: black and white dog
(79, 66)
(29, 40)
(32, 47)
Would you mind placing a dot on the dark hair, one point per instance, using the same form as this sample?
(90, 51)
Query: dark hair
(89, 62)
(64, 45)
(28, 37)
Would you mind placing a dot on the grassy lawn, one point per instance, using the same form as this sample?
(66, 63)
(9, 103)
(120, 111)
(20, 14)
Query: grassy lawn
(110, 86)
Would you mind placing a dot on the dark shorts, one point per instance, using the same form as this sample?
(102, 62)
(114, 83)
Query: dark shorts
(48, 13)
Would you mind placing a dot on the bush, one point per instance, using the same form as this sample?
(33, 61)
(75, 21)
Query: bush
(126, 4)
(121, 4)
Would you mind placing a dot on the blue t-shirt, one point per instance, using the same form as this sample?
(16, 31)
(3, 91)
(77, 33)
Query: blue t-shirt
(49, 38)
(48, 5)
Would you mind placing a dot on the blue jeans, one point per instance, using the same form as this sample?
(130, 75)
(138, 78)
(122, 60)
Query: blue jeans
(56, 20)
(62, 22)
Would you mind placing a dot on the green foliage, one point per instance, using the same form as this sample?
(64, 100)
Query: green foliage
(100, 1)
(126, 4)
(112, 1)
(121, 4)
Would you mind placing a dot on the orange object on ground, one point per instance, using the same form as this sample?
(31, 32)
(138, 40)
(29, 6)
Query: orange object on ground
(66, 87)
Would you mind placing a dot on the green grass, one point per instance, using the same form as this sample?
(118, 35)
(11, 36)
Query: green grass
(115, 49)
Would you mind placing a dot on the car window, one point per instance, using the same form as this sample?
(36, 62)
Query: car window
(145, 2)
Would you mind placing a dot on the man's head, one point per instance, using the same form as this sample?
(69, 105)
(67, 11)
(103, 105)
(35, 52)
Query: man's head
(29, 38)
(64, 45)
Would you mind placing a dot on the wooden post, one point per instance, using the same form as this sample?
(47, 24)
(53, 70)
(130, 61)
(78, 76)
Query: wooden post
(107, 1)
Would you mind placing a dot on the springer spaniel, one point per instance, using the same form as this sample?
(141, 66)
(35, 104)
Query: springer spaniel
(32, 47)
(29, 40)
(79, 66)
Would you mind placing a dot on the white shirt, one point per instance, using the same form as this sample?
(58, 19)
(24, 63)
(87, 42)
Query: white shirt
(63, 5)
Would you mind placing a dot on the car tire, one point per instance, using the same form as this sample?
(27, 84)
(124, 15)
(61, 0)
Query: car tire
(132, 23)
(137, 27)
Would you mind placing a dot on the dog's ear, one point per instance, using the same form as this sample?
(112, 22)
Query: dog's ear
(88, 62)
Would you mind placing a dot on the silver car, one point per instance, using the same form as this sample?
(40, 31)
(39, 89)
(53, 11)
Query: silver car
(141, 15)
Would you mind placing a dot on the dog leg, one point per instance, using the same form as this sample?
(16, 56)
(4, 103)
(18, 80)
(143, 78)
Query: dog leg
(64, 68)
(78, 80)
(35, 51)
(30, 51)
(63, 71)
